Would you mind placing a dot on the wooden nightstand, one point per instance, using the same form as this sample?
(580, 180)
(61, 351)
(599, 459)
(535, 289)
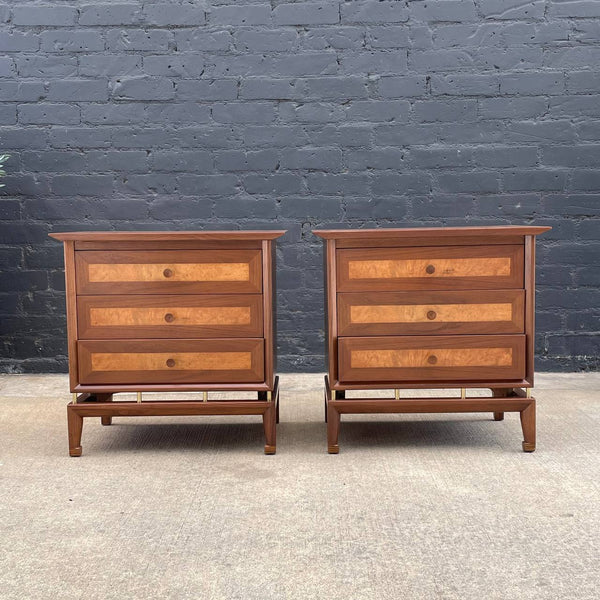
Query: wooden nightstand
(431, 308)
(170, 312)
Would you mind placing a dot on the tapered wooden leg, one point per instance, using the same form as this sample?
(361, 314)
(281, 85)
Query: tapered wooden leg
(528, 425)
(75, 426)
(498, 416)
(333, 428)
(269, 423)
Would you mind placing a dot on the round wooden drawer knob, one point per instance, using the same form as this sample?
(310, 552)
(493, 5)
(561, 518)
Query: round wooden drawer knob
(168, 273)
(431, 315)
(430, 269)
(170, 362)
(432, 359)
(169, 318)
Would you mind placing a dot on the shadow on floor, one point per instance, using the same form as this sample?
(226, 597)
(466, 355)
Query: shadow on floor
(302, 437)
(475, 432)
(151, 437)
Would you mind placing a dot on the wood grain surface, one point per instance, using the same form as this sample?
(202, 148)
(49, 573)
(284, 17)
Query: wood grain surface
(177, 316)
(388, 358)
(441, 267)
(166, 236)
(169, 271)
(426, 313)
(419, 233)
(176, 361)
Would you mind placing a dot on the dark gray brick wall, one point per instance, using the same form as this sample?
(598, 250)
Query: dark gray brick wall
(235, 114)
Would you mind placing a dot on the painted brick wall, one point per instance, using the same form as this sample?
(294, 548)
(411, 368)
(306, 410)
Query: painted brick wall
(232, 114)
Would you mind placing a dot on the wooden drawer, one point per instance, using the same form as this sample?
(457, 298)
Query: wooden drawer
(169, 272)
(432, 358)
(430, 268)
(427, 313)
(155, 316)
(171, 361)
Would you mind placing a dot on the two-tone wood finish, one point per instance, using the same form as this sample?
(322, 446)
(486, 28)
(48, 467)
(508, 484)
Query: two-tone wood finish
(431, 358)
(429, 268)
(430, 313)
(170, 311)
(177, 316)
(169, 272)
(171, 361)
(430, 308)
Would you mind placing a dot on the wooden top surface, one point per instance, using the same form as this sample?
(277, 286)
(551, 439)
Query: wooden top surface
(419, 232)
(147, 236)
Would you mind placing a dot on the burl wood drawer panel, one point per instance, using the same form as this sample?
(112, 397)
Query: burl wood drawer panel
(169, 272)
(429, 268)
(427, 313)
(183, 316)
(171, 361)
(431, 358)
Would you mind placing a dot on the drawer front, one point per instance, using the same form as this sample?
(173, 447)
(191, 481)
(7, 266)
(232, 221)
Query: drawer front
(171, 361)
(155, 316)
(432, 358)
(430, 313)
(169, 272)
(430, 268)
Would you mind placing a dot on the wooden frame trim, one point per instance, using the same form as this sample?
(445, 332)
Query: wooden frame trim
(162, 236)
(431, 405)
(530, 307)
(331, 307)
(438, 384)
(467, 240)
(71, 303)
(471, 240)
(172, 407)
(269, 302)
(170, 245)
(171, 387)
(418, 232)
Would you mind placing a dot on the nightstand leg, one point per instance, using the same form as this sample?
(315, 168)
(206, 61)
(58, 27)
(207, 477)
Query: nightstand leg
(326, 395)
(500, 393)
(333, 428)
(75, 426)
(106, 420)
(528, 425)
(269, 424)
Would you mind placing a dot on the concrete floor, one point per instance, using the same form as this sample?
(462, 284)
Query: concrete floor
(432, 506)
